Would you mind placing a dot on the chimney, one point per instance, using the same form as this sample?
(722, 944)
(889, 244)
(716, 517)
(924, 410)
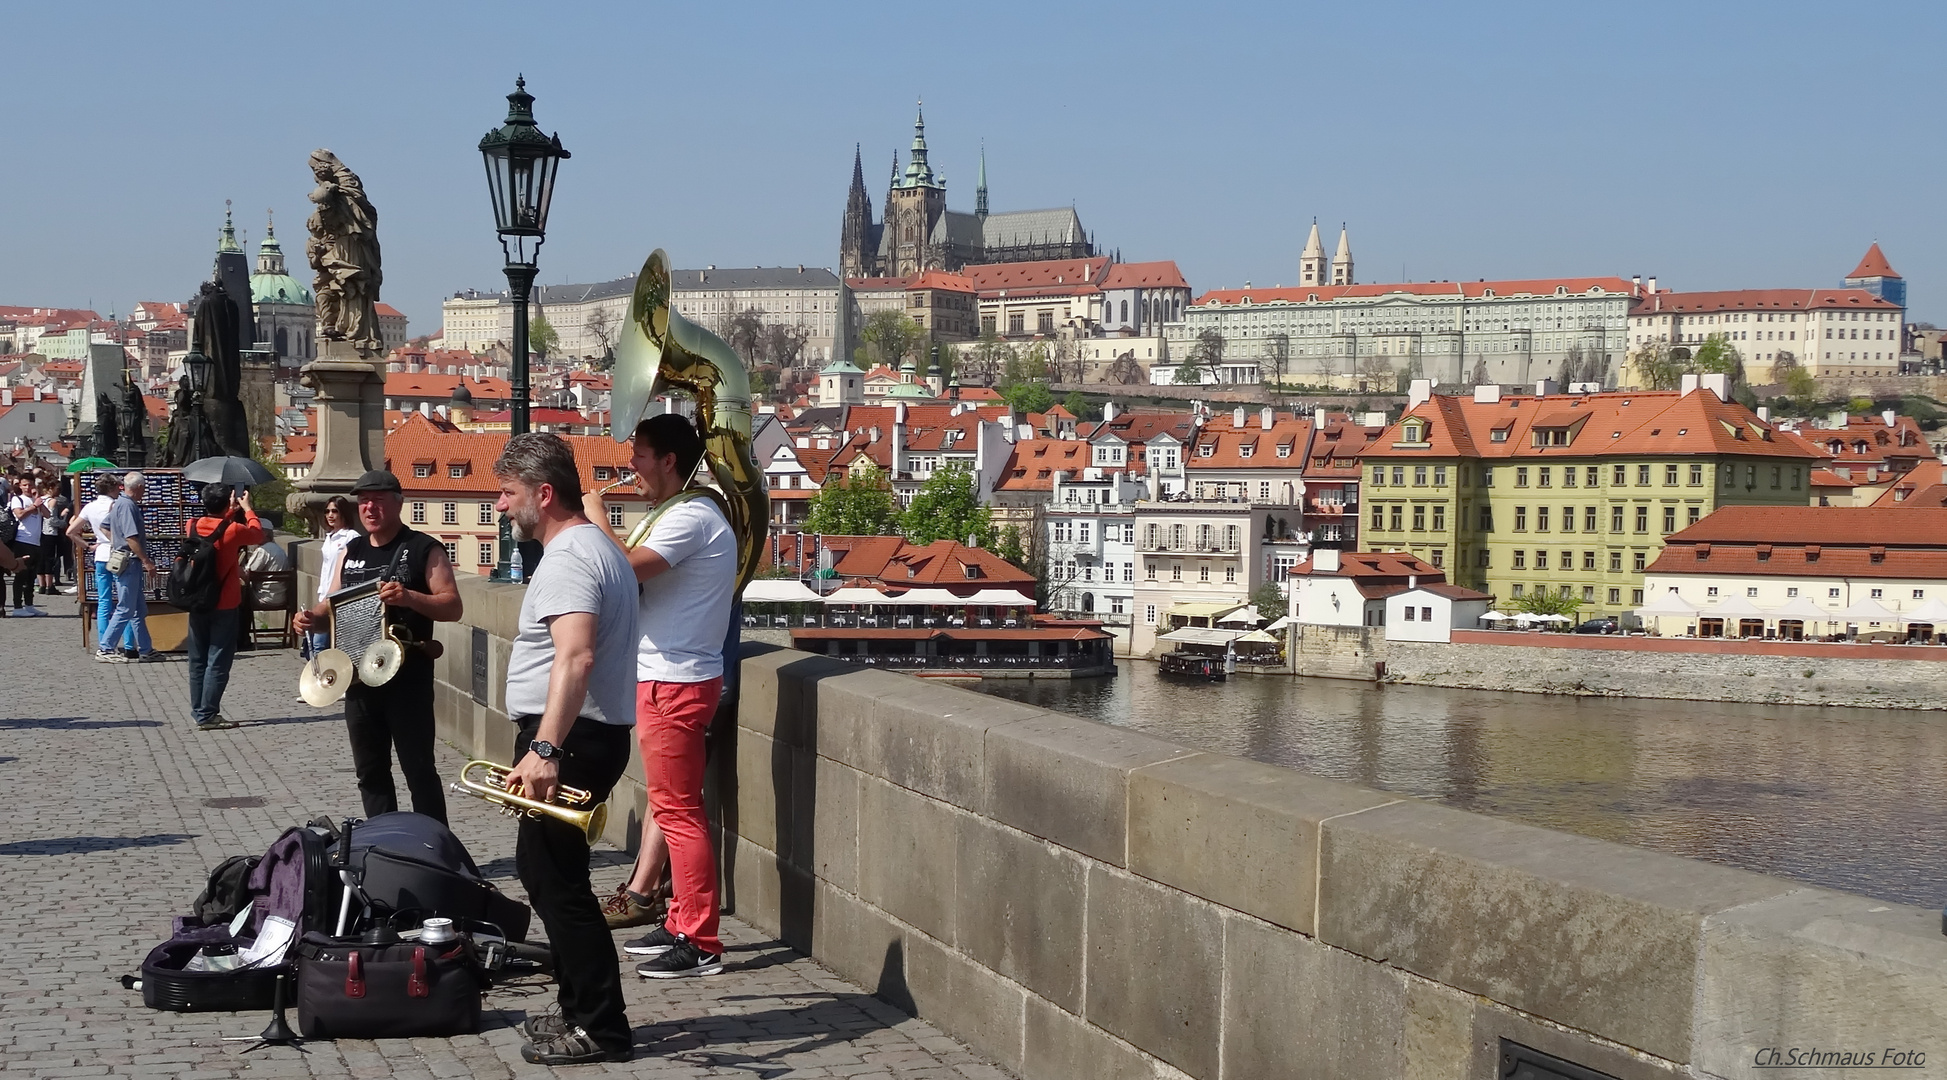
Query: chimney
(1237, 417)
(1487, 393)
(1412, 581)
(1688, 384)
(899, 464)
(1637, 281)
(1326, 560)
(1265, 417)
(7, 396)
(1318, 416)
(1545, 387)
(1418, 392)
(875, 433)
(1652, 285)
(1889, 417)
(1108, 411)
(1764, 413)
(1372, 419)
(1717, 383)
(1836, 419)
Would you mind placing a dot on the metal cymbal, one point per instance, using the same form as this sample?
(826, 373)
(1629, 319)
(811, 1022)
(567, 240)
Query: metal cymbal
(325, 679)
(380, 662)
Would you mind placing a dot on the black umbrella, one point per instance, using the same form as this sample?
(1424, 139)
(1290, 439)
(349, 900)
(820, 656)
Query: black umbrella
(235, 471)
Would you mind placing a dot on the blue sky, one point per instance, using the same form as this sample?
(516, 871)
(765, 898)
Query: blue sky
(1713, 145)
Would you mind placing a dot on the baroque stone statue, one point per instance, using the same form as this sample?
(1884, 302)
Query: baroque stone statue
(344, 250)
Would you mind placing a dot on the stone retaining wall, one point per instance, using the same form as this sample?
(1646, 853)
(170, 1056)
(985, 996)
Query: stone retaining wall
(1082, 901)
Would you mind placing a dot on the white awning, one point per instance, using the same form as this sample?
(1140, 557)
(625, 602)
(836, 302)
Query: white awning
(777, 591)
(1668, 603)
(996, 598)
(1196, 635)
(1241, 617)
(1730, 607)
(1802, 610)
(1867, 610)
(1933, 611)
(855, 595)
(1261, 636)
(1496, 616)
(1202, 609)
(1282, 623)
(926, 598)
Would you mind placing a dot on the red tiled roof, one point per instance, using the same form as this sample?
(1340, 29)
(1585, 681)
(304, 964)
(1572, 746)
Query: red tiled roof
(940, 279)
(1379, 564)
(1033, 463)
(1873, 264)
(388, 309)
(419, 440)
(425, 384)
(1836, 526)
(1227, 444)
(1925, 485)
(1660, 422)
(1053, 277)
(1472, 290)
(1145, 275)
(893, 561)
(1828, 478)
(1758, 300)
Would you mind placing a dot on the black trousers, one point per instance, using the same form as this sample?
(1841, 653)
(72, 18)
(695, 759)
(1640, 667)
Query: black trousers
(396, 718)
(551, 857)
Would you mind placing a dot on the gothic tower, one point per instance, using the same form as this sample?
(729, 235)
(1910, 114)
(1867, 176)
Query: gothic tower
(1342, 262)
(1311, 261)
(858, 247)
(913, 207)
(980, 193)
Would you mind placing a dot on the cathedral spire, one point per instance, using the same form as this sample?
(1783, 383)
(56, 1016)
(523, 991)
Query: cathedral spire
(1311, 261)
(895, 168)
(1342, 262)
(858, 169)
(270, 253)
(980, 193)
(918, 172)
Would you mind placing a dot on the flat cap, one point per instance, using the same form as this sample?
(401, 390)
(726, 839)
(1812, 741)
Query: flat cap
(377, 480)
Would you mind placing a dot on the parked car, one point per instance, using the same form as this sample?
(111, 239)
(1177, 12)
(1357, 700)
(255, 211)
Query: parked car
(1600, 626)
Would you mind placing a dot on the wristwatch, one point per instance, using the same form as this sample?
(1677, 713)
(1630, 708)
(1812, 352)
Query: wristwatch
(544, 749)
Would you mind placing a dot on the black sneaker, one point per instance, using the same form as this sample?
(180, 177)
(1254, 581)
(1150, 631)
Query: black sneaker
(654, 943)
(683, 960)
(548, 1025)
(573, 1047)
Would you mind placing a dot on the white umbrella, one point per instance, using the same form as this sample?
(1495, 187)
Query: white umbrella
(1496, 616)
(1241, 617)
(998, 598)
(1287, 621)
(1553, 619)
(1933, 611)
(1867, 610)
(1801, 609)
(1526, 619)
(1669, 604)
(852, 594)
(777, 591)
(925, 598)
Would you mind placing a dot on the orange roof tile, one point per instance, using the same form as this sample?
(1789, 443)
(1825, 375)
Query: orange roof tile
(1051, 277)
(1472, 290)
(1617, 422)
(1758, 300)
(1873, 264)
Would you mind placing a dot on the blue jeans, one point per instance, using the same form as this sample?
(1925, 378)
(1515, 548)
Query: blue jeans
(212, 648)
(105, 607)
(131, 618)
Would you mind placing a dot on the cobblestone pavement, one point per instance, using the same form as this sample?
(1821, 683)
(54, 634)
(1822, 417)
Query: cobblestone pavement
(106, 832)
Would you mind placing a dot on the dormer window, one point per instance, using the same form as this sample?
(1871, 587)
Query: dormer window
(1499, 434)
(1244, 450)
(1206, 449)
(422, 469)
(1413, 431)
(602, 472)
(456, 470)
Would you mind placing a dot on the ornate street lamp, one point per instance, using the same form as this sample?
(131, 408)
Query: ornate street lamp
(200, 368)
(521, 164)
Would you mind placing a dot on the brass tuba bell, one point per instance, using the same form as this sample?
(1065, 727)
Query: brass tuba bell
(661, 350)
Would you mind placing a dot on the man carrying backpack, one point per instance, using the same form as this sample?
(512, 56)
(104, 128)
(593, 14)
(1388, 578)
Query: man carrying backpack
(205, 580)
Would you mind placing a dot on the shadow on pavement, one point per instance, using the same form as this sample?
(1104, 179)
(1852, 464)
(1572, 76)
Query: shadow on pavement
(70, 723)
(88, 845)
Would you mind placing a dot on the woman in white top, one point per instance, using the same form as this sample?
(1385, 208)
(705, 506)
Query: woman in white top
(24, 505)
(339, 517)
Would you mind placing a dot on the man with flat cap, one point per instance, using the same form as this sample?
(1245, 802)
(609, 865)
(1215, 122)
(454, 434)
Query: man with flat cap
(418, 590)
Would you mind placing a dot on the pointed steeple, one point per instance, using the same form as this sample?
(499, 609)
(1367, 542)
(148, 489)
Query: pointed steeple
(1312, 268)
(895, 168)
(858, 169)
(1312, 244)
(227, 239)
(980, 193)
(918, 172)
(1342, 262)
(270, 253)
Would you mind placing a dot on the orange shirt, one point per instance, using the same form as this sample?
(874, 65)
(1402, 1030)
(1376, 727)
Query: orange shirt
(240, 535)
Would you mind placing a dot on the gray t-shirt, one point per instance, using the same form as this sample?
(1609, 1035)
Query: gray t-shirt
(124, 521)
(582, 570)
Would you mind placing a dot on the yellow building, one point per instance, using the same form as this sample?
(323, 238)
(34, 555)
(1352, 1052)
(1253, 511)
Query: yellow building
(1571, 494)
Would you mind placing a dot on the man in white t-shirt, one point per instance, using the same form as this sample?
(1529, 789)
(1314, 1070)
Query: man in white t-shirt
(688, 570)
(91, 522)
(25, 506)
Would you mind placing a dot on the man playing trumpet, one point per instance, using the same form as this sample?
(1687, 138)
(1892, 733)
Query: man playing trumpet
(569, 683)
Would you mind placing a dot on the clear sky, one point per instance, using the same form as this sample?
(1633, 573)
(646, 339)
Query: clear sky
(1714, 145)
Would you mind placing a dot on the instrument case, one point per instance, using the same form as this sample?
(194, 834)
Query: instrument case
(165, 985)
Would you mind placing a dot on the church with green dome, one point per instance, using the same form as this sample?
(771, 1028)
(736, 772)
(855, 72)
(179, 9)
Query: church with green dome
(286, 312)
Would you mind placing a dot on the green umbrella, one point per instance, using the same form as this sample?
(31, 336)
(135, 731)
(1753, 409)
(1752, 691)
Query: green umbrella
(90, 463)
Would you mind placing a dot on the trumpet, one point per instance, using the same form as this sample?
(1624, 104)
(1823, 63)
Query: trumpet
(572, 805)
(629, 479)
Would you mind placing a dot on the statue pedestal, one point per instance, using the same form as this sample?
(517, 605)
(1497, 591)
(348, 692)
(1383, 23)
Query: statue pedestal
(350, 426)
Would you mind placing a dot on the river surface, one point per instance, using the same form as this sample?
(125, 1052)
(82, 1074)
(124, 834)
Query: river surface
(1852, 799)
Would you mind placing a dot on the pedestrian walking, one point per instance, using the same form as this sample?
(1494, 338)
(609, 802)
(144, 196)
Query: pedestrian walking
(231, 524)
(56, 552)
(340, 520)
(129, 563)
(28, 509)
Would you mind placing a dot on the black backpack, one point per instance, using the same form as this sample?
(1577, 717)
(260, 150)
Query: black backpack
(194, 584)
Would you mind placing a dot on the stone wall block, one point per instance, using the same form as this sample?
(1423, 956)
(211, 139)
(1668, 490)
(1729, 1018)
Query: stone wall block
(834, 854)
(1155, 969)
(1436, 1040)
(1238, 833)
(1824, 969)
(1020, 909)
(769, 697)
(1067, 780)
(1590, 934)
(1059, 1046)
(907, 848)
(763, 786)
(838, 701)
(931, 738)
(1296, 1009)
(966, 1000)
(859, 942)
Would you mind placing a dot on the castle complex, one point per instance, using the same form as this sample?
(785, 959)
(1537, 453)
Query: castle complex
(920, 233)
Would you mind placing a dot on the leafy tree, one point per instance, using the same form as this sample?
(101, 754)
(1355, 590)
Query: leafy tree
(1079, 405)
(947, 507)
(892, 337)
(1189, 372)
(1543, 602)
(1009, 546)
(1800, 384)
(1269, 601)
(1413, 370)
(1655, 366)
(1859, 405)
(1024, 381)
(853, 505)
(1717, 356)
(541, 337)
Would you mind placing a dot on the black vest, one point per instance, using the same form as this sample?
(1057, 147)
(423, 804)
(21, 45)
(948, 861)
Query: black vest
(409, 550)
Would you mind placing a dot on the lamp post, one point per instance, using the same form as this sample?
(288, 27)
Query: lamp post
(200, 368)
(521, 164)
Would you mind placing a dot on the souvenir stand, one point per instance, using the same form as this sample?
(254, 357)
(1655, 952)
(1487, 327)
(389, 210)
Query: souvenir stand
(168, 504)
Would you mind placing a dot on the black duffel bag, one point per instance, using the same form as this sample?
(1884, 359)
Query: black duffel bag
(350, 990)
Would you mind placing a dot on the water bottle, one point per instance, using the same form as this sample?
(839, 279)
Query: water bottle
(514, 572)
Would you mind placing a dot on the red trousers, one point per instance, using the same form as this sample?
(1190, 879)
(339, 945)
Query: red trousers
(671, 718)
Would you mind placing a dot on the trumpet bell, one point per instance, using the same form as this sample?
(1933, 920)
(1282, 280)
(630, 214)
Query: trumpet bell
(325, 679)
(571, 808)
(380, 662)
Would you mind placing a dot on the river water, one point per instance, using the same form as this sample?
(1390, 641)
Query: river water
(1852, 799)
